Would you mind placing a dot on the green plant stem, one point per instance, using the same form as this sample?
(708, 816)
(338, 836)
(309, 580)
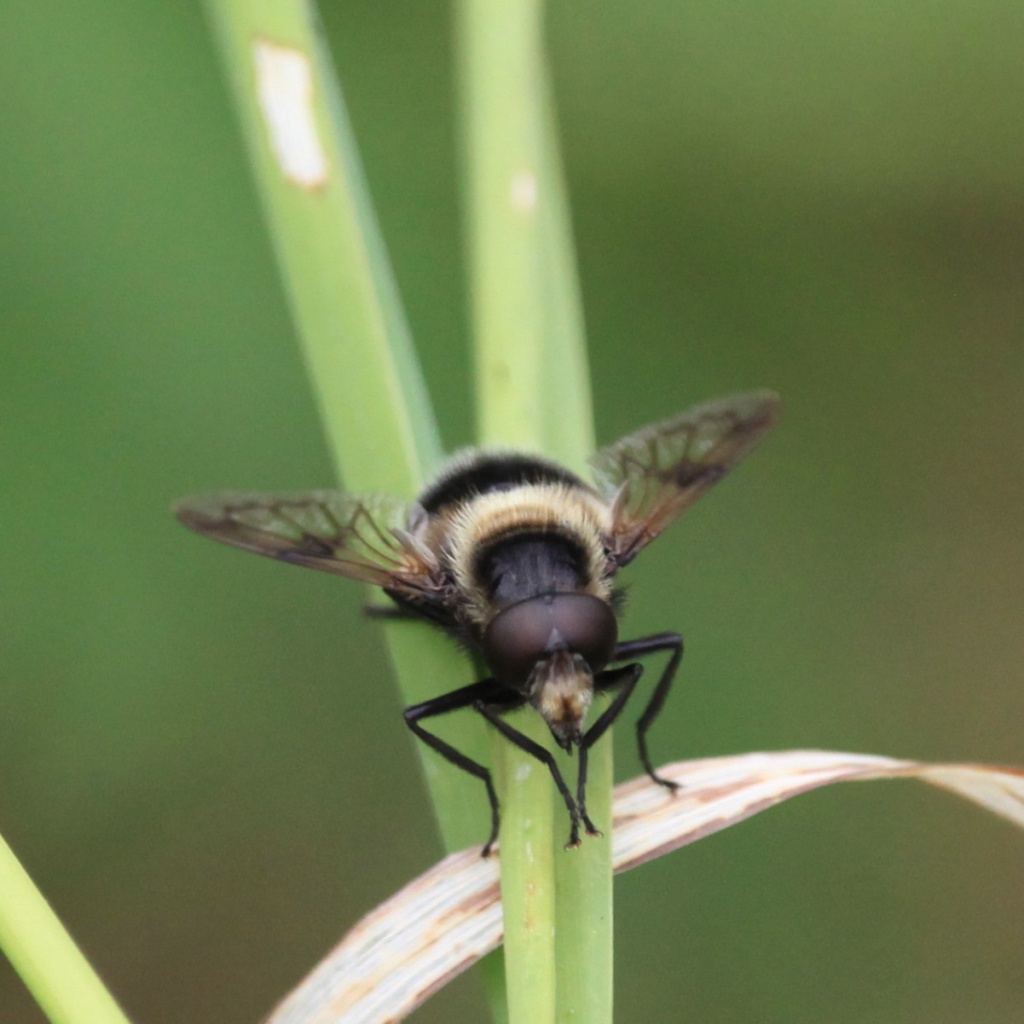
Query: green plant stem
(44, 954)
(533, 393)
(337, 278)
(583, 881)
(350, 323)
(499, 48)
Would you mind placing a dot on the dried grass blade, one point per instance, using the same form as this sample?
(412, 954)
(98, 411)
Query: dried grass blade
(448, 918)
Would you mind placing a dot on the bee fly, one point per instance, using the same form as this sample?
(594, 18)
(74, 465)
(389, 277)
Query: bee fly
(516, 557)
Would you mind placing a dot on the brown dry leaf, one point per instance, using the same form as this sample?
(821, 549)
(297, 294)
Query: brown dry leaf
(447, 919)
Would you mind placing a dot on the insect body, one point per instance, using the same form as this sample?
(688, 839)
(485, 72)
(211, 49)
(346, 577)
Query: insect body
(516, 557)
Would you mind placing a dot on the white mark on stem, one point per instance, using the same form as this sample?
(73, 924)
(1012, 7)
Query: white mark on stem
(523, 771)
(523, 191)
(284, 84)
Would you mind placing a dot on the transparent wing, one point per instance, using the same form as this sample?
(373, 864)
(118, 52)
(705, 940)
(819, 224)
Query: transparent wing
(363, 538)
(652, 477)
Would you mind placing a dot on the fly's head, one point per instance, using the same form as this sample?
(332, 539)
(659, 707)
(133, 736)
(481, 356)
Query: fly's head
(550, 648)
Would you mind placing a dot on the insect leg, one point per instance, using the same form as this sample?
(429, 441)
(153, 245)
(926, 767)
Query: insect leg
(543, 755)
(626, 678)
(468, 696)
(410, 609)
(638, 648)
(380, 611)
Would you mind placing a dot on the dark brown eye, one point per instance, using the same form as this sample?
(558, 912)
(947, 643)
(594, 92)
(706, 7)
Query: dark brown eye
(525, 633)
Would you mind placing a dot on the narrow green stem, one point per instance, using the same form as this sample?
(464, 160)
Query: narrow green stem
(377, 419)
(533, 393)
(336, 275)
(45, 956)
(583, 881)
(500, 50)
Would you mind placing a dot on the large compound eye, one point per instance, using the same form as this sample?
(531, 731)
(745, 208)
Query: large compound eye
(524, 634)
(586, 626)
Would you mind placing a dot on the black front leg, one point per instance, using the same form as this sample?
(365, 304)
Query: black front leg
(626, 678)
(542, 754)
(486, 692)
(637, 649)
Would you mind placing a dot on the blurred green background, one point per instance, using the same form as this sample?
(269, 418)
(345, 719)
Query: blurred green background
(201, 755)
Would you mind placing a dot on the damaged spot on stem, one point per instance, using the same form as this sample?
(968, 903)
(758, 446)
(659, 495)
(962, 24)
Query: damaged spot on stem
(523, 191)
(284, 84)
